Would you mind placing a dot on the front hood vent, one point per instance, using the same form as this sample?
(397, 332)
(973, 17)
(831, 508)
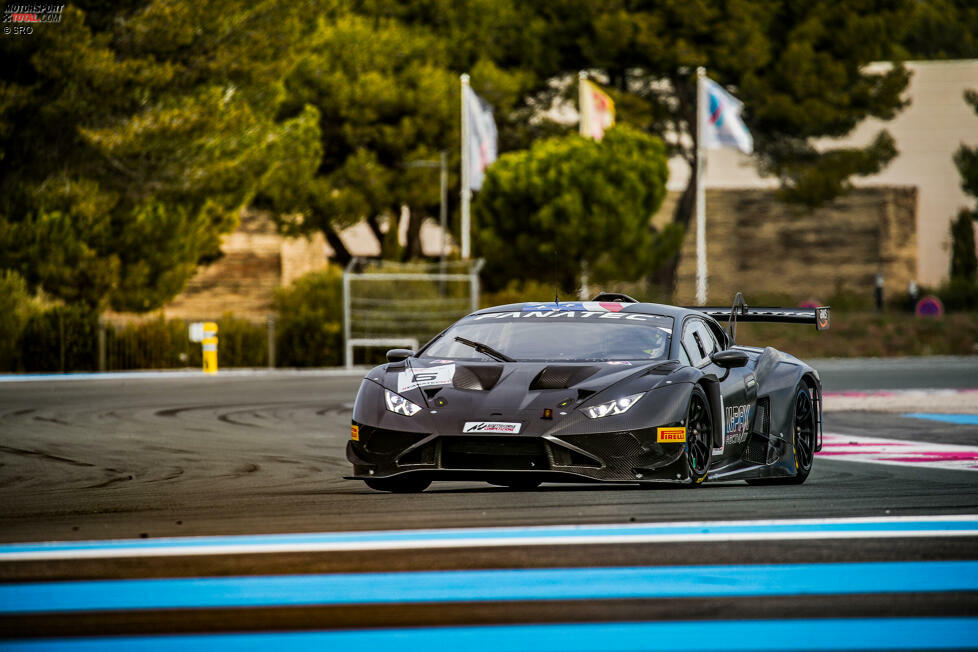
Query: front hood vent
(477, 377)
(562, 376)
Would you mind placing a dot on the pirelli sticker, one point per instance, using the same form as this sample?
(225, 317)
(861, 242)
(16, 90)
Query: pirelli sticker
(670, 435)
(355, 433)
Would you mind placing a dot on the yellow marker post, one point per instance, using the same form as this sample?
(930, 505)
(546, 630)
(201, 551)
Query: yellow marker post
(209, 347)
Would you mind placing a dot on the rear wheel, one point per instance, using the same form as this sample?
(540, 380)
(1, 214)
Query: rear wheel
(403, 485)
(699, 435)
(804, 432)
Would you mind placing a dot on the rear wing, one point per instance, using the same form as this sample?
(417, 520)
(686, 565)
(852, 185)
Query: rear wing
(818, 316)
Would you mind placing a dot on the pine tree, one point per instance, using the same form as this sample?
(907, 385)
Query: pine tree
(570, 203)
(132, 134)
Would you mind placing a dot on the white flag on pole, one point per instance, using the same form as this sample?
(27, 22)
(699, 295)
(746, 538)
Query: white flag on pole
(722, 124)
(481, 146)
(597, 109)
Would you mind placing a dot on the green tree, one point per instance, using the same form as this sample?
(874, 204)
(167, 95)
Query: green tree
(16, 308)
(386, 97)
(570, 203)
(964, 265)
(383, 100)
(942, 29)
(130, 137)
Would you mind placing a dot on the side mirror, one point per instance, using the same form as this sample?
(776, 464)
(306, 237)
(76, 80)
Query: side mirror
(398, 355)
(729, 359)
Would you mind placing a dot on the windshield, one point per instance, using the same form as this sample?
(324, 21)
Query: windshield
(536, 336)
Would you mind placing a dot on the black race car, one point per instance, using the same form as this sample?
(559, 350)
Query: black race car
(609, 390)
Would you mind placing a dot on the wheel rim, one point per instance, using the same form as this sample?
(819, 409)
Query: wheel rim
(699, 425)
(804, 430)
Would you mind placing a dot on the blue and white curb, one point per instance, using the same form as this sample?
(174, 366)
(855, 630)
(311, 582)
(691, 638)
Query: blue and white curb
(718, 636)
(414, 587)
(694, 531)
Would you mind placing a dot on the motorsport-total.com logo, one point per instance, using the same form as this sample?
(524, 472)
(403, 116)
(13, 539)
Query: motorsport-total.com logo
(20, 18)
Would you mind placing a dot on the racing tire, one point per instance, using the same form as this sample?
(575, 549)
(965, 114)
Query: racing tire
(516, 485)
(804, 433)
(404, 485)
(699, 436)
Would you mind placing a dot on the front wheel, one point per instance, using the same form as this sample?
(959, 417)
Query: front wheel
(403, 485)
(699, 435)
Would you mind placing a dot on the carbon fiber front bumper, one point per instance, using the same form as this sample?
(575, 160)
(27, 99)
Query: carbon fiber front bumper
(621, 456)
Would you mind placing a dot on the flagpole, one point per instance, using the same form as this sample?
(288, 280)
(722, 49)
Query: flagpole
(584, 127)
(582, 102)
(701, 288)
(466, 189)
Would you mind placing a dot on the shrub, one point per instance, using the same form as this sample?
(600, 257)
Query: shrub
(310, 320)
(62, 338)
(241, 343)
(16, 309)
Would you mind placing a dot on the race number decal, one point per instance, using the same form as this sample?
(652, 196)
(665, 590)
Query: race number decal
(429, 377)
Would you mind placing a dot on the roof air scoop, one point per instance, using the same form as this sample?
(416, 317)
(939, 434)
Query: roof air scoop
(614, 297)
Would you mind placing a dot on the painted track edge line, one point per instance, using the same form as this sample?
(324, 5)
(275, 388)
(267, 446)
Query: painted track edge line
(489, 533)
(725, 636)
(353, 546)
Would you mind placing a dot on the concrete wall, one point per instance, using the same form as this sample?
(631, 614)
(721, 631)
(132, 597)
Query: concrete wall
(760, 246)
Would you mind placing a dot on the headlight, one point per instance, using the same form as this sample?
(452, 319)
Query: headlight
(400, 405)
(617, 406)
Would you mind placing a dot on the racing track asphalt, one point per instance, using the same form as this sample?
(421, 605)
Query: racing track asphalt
(236, 454)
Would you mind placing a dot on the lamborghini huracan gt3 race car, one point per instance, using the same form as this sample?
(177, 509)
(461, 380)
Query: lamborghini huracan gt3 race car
(609, 390)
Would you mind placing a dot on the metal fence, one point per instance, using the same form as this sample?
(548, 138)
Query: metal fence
(389, 304)
(71, 341)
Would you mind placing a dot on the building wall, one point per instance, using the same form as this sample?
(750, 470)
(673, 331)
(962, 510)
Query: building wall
(761, 246)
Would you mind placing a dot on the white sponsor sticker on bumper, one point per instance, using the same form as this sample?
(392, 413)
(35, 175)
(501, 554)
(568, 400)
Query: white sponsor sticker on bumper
(492, 426)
